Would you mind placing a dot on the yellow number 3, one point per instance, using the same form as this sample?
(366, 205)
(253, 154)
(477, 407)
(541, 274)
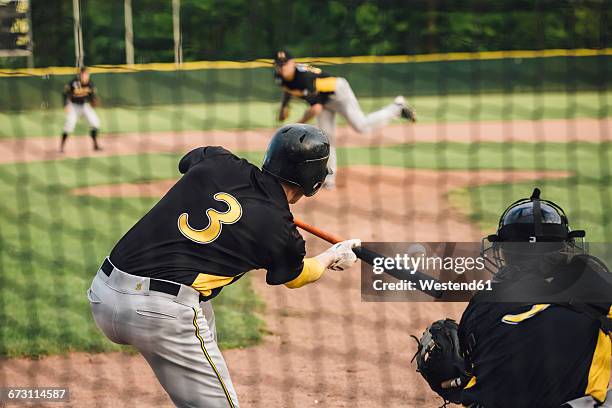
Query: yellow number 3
(216, 220)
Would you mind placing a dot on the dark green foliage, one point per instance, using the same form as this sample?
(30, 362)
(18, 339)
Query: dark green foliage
(244, 29)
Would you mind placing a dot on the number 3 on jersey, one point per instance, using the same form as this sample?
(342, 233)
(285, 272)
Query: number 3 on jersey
(216, 220)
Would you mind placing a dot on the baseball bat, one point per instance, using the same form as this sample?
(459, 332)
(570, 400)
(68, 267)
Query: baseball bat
(368, 257)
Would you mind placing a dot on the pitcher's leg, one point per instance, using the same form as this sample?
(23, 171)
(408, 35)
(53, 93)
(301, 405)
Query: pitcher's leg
(354, 115)
(382, 117)
(327, 123)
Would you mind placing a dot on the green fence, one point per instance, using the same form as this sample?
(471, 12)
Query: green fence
(147, 88)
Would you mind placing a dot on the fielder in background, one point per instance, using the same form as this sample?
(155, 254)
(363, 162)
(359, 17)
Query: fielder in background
(509, 351)
(223, 218)
(79, 99)
(328, 95)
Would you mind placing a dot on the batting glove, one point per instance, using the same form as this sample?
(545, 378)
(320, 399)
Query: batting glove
(343, 255)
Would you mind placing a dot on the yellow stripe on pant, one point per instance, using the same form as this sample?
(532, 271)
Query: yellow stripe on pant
(212, 364)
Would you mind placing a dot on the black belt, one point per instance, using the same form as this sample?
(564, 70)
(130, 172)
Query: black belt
(154, 284)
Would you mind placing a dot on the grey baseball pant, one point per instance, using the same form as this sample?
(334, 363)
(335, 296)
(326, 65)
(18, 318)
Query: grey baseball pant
(175, 334)
(346, 104)
(75, 111)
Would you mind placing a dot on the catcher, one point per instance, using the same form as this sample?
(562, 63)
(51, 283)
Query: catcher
(79, 99)
(223, 218)
(526, 354)
(327, 95)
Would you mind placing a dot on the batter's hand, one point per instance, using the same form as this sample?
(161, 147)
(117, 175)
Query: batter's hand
(67, 108)
(343, 256)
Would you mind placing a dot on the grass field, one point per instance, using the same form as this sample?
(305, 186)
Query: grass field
(256, 114)
(52, 242)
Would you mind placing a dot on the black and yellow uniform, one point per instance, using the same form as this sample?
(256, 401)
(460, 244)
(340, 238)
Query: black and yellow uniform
(77, 92)
(539, 355)
(309, 83)
(223, 218)
(79, 98)
(540, 337)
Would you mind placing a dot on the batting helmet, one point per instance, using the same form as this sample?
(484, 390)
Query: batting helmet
(298, 154)
(533, 235)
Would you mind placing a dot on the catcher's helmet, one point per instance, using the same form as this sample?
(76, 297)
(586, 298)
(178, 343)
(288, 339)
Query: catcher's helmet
(298, 154)
(532, 233)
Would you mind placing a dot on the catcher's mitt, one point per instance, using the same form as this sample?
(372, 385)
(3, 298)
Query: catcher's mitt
(439, 359)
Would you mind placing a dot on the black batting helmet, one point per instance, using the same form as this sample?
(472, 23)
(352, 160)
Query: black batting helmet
(298, 154)
(532, 234)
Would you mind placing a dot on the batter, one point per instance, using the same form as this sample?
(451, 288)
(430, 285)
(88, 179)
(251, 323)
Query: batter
(223, 218)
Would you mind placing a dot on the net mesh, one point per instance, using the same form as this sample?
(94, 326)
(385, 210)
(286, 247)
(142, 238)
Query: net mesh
(491, 125)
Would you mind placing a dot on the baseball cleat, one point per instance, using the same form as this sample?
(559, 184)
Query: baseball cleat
(408, 111)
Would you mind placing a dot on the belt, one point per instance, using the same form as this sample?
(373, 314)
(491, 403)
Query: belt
(154, 284)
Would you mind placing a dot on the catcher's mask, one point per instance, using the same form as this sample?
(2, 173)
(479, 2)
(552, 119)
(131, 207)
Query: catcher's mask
(298, 154)
(533, 236)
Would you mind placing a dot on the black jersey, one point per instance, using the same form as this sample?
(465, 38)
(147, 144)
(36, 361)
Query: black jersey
(223, 218)
(77, 92)
(310, 84)
(538, 355)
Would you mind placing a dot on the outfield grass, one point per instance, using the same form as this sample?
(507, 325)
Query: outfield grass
(52, 242)
(256, 114)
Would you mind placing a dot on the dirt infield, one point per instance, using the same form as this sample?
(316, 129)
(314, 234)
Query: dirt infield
(551, 130)
(324, 347)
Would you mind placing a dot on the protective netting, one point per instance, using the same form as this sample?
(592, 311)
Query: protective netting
(492, 124)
